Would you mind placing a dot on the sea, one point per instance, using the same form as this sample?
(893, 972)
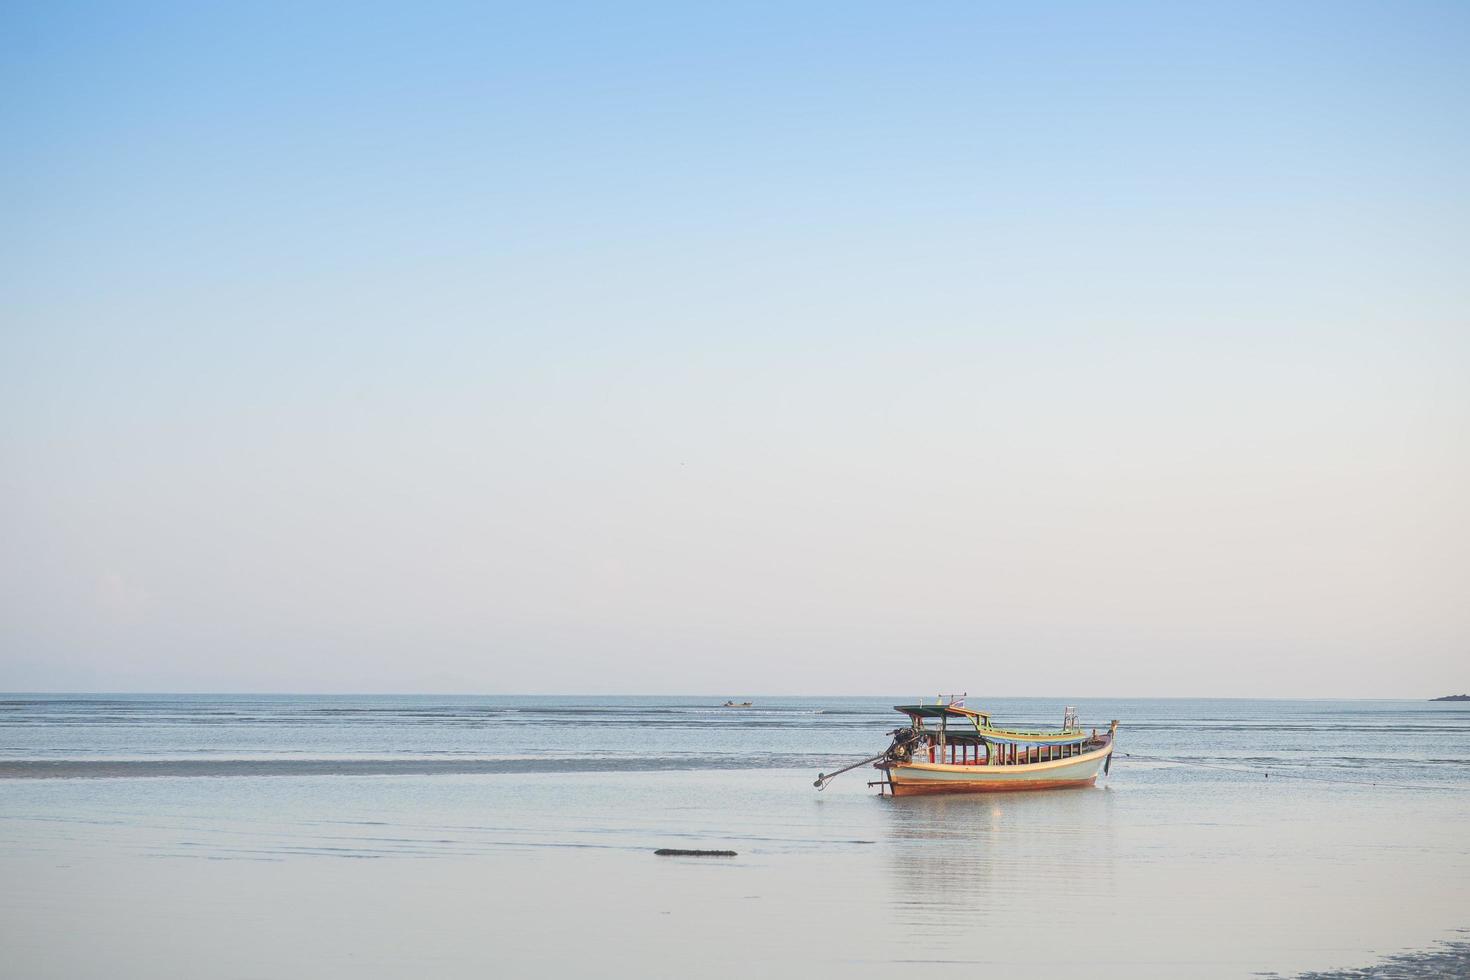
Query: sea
(285, 836)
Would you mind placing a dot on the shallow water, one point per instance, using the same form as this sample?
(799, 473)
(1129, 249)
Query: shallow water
(457, 836)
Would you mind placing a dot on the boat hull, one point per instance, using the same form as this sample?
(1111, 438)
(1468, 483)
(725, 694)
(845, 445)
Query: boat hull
(915, 778)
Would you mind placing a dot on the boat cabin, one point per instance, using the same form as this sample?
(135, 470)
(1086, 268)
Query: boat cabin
(951, 734)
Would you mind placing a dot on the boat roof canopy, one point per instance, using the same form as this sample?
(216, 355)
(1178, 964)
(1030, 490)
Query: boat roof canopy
(939, 711)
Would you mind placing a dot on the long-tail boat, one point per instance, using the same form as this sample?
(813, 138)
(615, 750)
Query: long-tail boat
(948, 748)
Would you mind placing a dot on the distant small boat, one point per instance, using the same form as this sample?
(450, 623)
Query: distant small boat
(963, 752)
(738, 704)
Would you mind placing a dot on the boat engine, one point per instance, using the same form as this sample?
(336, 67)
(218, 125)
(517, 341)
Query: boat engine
(902, 748)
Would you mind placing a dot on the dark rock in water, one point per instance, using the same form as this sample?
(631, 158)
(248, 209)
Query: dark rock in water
(678, 852)
(1453, 697)
(1447, 959)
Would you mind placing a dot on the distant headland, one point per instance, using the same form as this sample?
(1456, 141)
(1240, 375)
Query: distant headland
(1453, 697)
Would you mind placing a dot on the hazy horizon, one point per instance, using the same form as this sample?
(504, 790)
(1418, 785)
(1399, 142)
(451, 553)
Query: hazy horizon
(467, 348)
(899, 698)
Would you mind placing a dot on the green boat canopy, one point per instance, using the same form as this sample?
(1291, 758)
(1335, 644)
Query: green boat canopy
(939, 711)
(978, 727)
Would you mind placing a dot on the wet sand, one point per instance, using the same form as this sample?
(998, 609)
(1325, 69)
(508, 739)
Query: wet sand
(467, 876)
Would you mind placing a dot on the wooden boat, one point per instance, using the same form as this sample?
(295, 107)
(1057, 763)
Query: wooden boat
(948, 748)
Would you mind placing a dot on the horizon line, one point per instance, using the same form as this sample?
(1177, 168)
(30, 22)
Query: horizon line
(726, 695)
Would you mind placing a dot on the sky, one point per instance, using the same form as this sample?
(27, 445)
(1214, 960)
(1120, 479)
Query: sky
(1062, 349)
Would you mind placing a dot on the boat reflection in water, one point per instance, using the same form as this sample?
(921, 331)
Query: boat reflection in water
(995, 878)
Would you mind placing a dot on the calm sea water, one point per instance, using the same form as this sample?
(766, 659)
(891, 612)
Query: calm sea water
(285, 836)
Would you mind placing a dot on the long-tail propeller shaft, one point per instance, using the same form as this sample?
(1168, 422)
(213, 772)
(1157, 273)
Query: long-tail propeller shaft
(824, 778)
(902, 737)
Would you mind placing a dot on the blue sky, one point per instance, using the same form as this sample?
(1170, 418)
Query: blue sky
(751, 348)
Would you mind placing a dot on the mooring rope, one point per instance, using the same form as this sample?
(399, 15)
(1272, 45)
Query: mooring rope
(1268, 773)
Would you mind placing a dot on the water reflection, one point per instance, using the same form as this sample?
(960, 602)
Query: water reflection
(968, 869)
